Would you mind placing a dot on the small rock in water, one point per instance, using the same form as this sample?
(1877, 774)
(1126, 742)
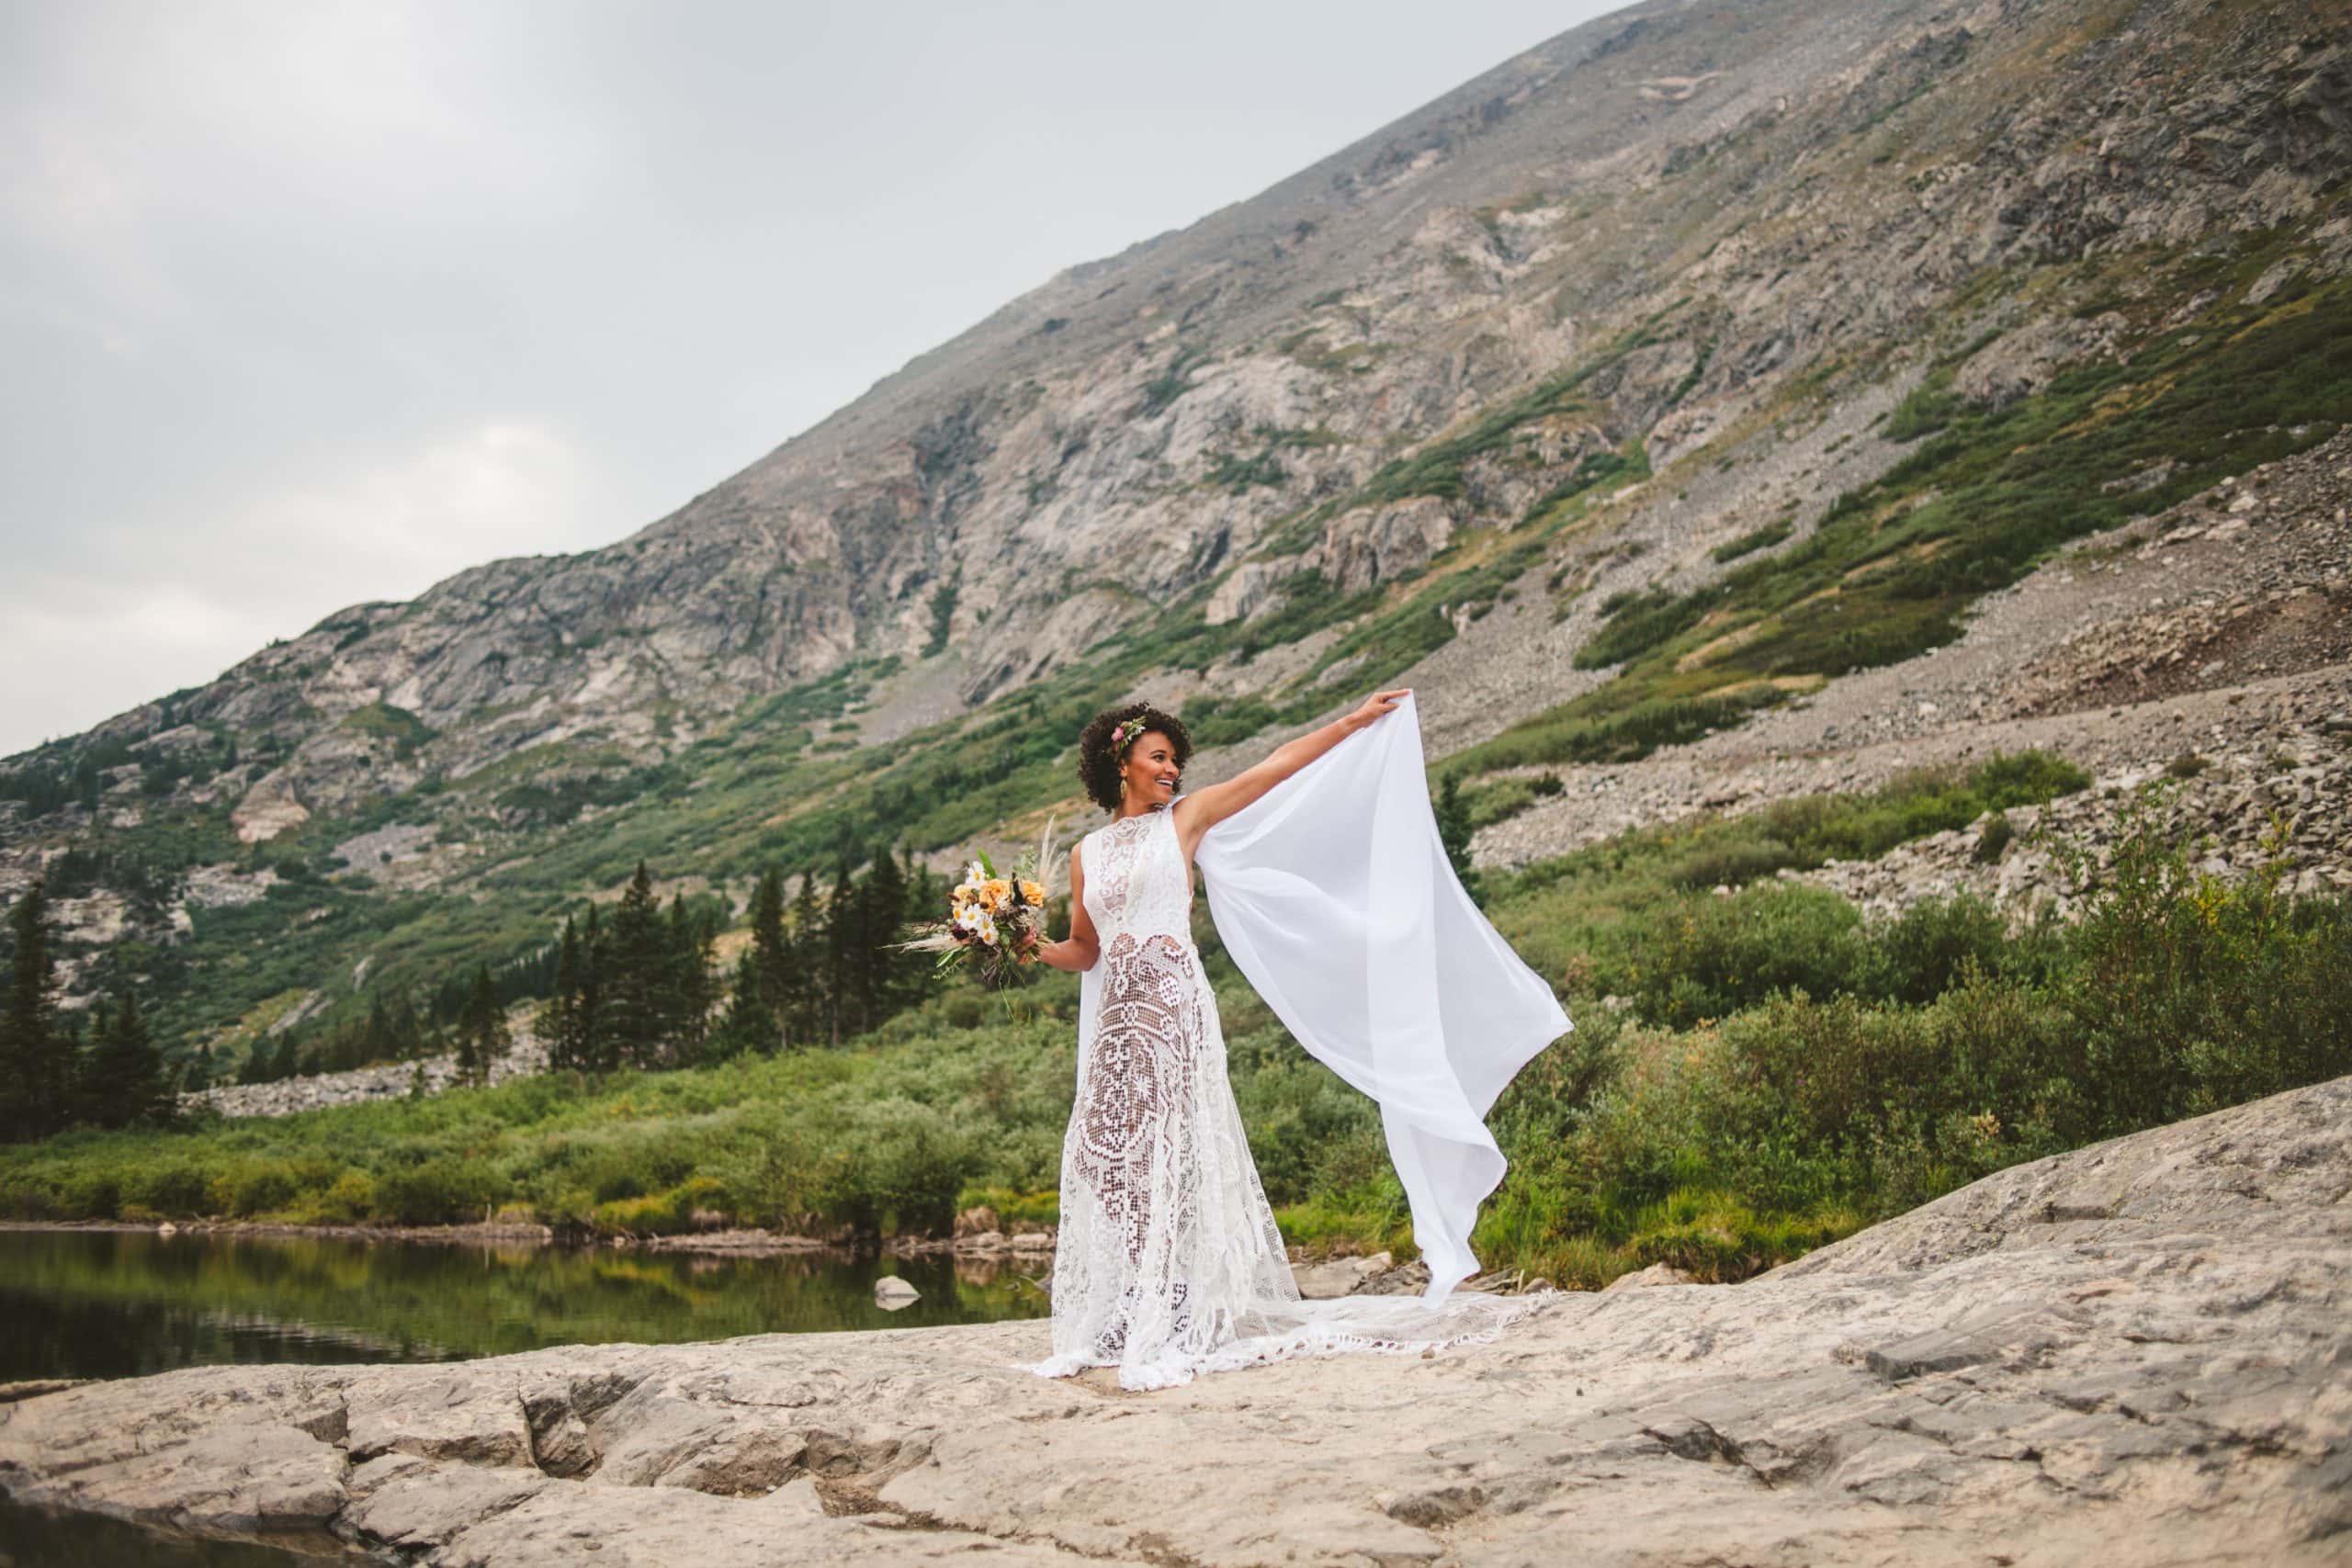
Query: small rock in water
(891, 1293)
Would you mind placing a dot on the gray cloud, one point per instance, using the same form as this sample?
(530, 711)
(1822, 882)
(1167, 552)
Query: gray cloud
(309, 303)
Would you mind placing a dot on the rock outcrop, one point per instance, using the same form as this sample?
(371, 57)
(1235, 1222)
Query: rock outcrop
(389, 1080)
(2136, 1352)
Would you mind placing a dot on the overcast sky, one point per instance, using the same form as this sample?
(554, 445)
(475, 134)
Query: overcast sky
(306, 303)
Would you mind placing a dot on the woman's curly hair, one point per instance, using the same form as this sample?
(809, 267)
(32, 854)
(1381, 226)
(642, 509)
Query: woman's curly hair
(1098, 763)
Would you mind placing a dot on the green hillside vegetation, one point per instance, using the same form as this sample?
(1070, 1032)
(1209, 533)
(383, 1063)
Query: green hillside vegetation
(1773, 1071)
(1985, 494)
(1988, 494)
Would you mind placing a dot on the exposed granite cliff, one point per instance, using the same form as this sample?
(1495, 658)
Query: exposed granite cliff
(1819, 176)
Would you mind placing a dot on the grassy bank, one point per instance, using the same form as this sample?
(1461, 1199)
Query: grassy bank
(1771, 1071)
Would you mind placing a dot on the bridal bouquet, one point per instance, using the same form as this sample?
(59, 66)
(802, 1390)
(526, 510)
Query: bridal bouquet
(990, 916)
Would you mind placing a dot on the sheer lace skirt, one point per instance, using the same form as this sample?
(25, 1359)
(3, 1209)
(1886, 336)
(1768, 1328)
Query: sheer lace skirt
(1168, 1261)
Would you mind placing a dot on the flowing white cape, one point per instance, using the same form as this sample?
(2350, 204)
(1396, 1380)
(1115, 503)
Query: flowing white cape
(1333, 895)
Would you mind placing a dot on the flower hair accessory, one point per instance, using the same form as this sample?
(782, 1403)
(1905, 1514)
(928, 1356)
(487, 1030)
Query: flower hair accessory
(1128, 730)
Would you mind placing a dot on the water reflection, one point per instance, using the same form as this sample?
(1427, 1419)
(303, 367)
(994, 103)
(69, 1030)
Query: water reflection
(40, 1537)
(118, 1304)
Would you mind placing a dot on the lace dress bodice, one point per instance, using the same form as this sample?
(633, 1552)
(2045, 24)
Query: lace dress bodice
(1137, 881)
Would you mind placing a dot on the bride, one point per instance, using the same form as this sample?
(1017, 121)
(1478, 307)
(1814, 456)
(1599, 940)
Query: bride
(1330, 888)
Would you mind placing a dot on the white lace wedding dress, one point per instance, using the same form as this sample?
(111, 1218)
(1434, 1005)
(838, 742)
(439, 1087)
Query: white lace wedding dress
(1168, 1261)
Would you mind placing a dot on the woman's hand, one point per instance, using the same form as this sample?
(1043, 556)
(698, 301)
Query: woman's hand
(1378, 703)
(1205, 809)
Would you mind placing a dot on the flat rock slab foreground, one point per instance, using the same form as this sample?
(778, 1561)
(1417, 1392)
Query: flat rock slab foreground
(2138, 1352)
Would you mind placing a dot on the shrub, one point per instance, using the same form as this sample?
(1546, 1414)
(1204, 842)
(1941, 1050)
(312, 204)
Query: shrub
(89, 1195)
(1308, 1132)
(252, 1186)
(173, 1188)
(2193, 993)
(660, 1213)
(664, 1213)
(350, 1200)
(443, 1190)
(1921, 954)
(1710, 956)
(1821, 1071)
(2025, 778)
(774, 1180)
(1728, 861)
(28, 1195)
(896, 1172)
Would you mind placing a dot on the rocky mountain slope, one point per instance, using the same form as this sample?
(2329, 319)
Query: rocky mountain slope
(2133, 1353)
(1691, 365)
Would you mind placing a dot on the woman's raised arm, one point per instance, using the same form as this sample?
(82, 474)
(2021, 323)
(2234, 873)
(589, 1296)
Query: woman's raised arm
(1197, 813)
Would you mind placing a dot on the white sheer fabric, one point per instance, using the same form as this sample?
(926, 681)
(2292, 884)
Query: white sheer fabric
(1168, 1261)
(1334, 896)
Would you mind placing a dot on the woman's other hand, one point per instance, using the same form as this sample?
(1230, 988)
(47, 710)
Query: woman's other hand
(1378, 703)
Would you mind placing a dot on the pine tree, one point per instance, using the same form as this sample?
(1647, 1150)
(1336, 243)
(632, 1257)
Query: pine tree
(1453, 833)
(637, 991)
(772, 957)
(36, 1051)
(591, 1031)
(926, 900)
(690, 992)
(844, 952)
(68, 1044)
(559, 1019)
(404, 1031)
(122, 1078)
(482, 1038)
(748, 1023)
(87, 1109)
(889, 984)
(925, 893)
(377, 1040)
(804, 1008)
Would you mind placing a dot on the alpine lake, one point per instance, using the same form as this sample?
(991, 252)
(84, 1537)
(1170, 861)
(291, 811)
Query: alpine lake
(111, 1304)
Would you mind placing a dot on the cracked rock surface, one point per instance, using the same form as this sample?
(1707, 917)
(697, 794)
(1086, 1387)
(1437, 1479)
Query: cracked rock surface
(2137, 1352)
